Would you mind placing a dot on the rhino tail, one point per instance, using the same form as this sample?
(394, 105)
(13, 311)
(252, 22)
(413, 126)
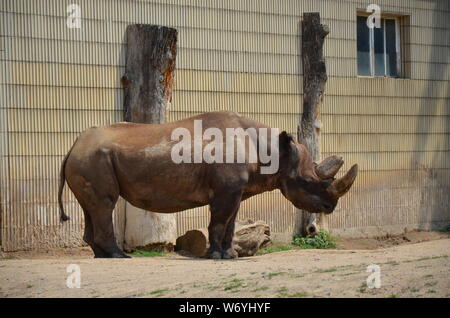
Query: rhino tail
(62, 181)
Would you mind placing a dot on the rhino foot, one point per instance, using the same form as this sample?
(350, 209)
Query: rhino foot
(113, 255)
(214, 254)
(229, 254)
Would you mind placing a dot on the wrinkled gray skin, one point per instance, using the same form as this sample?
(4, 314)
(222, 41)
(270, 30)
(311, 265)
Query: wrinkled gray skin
(134, 161)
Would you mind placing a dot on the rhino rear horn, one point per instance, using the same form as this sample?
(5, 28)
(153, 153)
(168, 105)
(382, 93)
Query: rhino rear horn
(329, 167)
(340, 186)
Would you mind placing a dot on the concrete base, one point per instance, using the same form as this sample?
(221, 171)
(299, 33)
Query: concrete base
(376, 231)
(144, 228)
(368, 232)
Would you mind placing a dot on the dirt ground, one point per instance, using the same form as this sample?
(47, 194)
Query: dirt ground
(415, 264)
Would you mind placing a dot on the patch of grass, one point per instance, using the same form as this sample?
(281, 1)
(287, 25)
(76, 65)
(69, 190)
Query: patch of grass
(345, 267)
(415, 290)
(431, 291)
(296, 275)
(432, 257)
(408, 261)
(430, 284)
(159, 292)
(323, 240)
(335, 269)
(392, 263)
(275, 248)
(273, 274)
(283, 292)
(234, 284)
(392, 296)
(6, 257)
(363, 287)
(141, 253)
(424, 266)
(213, 287)
(299, 294)
(262, 288)
(428, 276)
(348, 274)
(29, 286)
(327, 270)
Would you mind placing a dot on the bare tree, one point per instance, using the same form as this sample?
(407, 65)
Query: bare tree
(314, 80)
(148, 79)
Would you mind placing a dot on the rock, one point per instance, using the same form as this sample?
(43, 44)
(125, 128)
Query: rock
(249, 237)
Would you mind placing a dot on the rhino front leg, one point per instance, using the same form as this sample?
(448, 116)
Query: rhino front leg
(223, 209)
(227, 242)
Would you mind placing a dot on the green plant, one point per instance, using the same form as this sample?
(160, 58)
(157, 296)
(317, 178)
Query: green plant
(300, 294)
(270, 275)
(327, 270)
(392, 263)
(275, 248)
(445, 229)
(363, 287)
(159, 292)
(322, 240)
(235, 283)
(283, 292)
(262, 288)
(141, 253)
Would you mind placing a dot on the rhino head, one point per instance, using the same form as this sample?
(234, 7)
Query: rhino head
(310, 186)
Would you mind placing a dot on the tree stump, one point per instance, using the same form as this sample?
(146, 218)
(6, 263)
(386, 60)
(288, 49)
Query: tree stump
(194, 241)
(248, 238)
(150, 67)
(314, 80)
(148, 80)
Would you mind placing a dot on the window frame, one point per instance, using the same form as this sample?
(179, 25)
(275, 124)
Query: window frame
(398, 48)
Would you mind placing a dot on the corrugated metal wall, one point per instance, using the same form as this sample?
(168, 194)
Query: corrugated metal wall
(237, 55)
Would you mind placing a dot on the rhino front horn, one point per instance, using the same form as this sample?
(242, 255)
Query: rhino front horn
(340, 186)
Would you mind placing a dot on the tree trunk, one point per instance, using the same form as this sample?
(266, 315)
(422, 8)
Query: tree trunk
(148, 79)
(314, 79)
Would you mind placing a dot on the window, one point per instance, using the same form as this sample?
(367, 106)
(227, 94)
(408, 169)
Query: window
(378, 48)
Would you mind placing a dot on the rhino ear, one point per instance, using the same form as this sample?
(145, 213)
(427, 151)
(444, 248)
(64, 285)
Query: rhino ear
(288, 153)
(285, 142)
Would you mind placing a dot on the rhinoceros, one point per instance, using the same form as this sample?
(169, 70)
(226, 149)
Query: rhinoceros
(136, 161)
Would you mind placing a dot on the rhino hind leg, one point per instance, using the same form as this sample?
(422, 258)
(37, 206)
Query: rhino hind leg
(223, 210)
(89, 237)
(97, 191)
(99, 232)
(104, 239)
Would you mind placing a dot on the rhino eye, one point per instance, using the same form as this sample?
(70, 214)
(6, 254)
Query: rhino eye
(326, 183)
